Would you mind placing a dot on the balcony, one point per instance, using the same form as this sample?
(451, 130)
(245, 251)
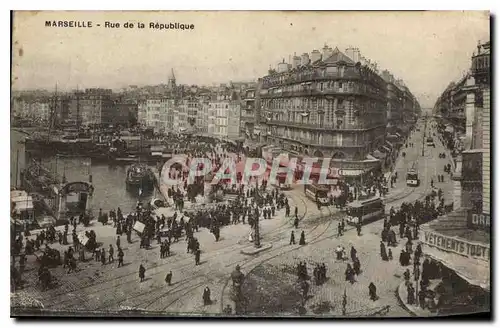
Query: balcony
(325, 92)
(315, 143)
(349, 74)
(321, 126)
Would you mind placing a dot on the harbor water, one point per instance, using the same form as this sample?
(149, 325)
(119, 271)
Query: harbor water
(110, 190)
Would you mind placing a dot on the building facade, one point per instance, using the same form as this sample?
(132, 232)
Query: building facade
(250, 108)
(90, 106)
(327, 104)
(224, 115)
(36, 109)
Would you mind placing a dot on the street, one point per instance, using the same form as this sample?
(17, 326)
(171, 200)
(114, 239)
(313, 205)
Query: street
(97, 287)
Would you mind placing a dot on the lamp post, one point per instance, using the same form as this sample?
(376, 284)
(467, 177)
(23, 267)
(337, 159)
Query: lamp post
(257, 233)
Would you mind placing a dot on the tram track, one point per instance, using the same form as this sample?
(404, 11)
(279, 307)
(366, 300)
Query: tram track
(205, 275)
(124, 281)
(313, 241)
(319, 238)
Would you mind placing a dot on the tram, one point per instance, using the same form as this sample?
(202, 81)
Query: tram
(317, 192)
(365, 211)
(430, 142)
(412, 179)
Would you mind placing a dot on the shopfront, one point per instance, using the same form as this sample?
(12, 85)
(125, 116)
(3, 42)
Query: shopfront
(460, 255)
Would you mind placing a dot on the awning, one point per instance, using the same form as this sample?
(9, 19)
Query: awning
(474, 272)
(389, 144)
(449, 129)
(398, 135)
(387, 149)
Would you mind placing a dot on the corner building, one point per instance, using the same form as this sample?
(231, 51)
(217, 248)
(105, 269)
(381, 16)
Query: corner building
(327, 105)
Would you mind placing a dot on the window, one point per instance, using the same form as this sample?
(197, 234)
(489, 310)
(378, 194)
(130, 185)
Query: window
(340, 85)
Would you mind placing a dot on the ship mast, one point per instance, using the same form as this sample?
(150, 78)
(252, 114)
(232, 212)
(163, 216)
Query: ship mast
(77, 109)
(52, 115)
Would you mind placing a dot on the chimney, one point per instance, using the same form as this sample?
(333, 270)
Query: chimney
(305, 59)
(282, 67)
(315, 56)
(326, 52)
(295, 61)
(350, 53)
(355, 55)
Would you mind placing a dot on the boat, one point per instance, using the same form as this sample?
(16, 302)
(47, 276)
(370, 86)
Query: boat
(140, 176)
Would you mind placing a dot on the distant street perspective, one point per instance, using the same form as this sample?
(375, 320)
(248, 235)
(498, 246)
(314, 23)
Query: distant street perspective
(369, 200)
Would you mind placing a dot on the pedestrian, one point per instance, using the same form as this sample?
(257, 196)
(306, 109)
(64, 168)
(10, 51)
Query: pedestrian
(339, 230)
(81, 253)
(206, 296)
(168, 278)
(302, 240)
(118, 242)
(354, 253)
(167, 248)
(372, 291)
(142, 273)
(292, 238)
(296, 222)
(197, 257)
(120, 257)
(389, 254)
(97, 254)
(356, 266)
(22, 263)
(103, 256)
(383, 252)
(111, 253)
(349, 274)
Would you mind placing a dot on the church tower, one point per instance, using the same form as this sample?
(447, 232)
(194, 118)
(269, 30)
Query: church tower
(171, 81)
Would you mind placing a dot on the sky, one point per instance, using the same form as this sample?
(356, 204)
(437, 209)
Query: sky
(427, 50)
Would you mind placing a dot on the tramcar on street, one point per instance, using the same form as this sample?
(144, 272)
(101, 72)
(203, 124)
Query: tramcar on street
(318, 193)
(430, 142)
(365, 211)
(412, 179)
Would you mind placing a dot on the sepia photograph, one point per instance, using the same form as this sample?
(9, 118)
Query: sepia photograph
(257, 164)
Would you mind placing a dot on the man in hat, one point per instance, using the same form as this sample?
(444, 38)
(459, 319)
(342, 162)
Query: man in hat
(292, 238)
(168, 278)
(142, 272)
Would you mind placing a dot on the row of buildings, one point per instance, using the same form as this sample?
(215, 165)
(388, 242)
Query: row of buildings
(166, 108)
(463, 114)
(206, 111)
(324, 104)
(332, 104)
(460, 240)
(87, 107)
